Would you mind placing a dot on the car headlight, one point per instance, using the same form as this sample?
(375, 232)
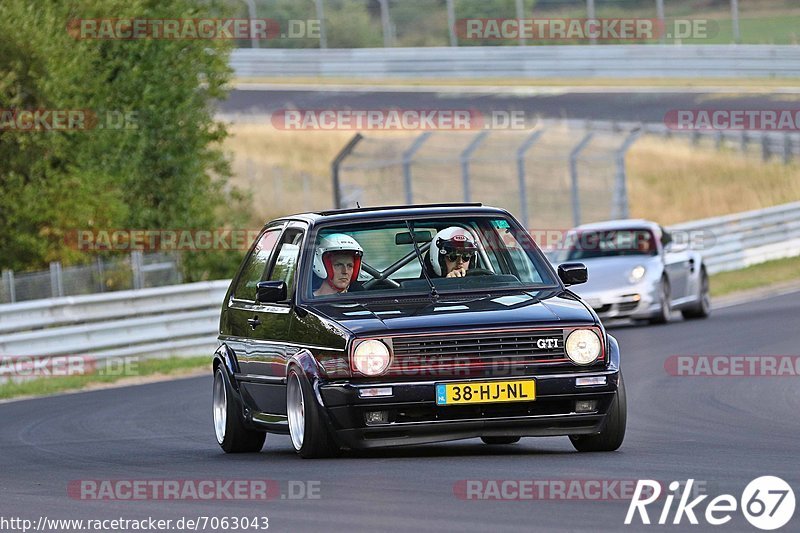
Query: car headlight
(371, 357)
(637, 274)
(583, 346)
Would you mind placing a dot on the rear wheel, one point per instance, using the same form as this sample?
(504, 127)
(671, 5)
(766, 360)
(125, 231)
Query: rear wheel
(664, 312)
(229, 428)
(703, 307)
(500, 440)
(613, 433)
(307, 430)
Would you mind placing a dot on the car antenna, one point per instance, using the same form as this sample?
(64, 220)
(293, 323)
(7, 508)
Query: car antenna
(358, 205)
(434, 293)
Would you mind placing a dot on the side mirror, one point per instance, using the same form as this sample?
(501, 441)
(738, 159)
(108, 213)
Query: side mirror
(573, 273)
(270, 292)
(666, 239)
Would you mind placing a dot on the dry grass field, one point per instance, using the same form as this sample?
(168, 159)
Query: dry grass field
(669, 180)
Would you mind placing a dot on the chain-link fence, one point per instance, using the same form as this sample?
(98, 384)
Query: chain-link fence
(409, 23)
(134, 271)
(552, 176)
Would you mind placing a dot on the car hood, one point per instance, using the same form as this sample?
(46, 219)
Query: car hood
(612, 273)
(552, 306)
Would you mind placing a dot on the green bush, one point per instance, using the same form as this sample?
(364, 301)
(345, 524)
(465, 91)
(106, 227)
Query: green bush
(162, 169)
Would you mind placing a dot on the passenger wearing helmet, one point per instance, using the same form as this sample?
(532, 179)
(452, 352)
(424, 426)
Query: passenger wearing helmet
(452, 253)
(337, 261)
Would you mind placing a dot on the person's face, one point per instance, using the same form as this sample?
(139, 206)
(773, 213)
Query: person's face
(457, 261)
(343, 265)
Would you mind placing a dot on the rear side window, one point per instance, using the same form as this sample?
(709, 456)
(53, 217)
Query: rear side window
(255, 267)
(286, 259)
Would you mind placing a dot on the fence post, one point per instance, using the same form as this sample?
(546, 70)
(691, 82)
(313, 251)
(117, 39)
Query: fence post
(573, 173)
(590, 16)
(136, 268)
(341, 156)
(101, 274)
(735, 21)
(8, 281)
(520, 16)
(408, 155)
(251, 10)
(523, 188)
(620, 209)
(451, 22)
(465, 156)
(323, 36)
(56, 281)
(765, 147)
(660, 16)
(718, 140)
(743, 142)
(386, 23)
(787, 149)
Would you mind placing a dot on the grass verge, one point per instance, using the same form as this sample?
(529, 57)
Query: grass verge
(173, 366)
(756, 276)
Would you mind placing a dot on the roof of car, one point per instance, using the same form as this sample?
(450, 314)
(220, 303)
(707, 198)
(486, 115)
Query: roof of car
(388, 211)
(626, 223)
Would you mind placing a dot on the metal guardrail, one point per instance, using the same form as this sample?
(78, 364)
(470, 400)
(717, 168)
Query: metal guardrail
(744, 239)
(605, 61)
(174, 320)
(184, 319)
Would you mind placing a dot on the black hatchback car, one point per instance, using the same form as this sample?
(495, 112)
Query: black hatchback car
(406, 325)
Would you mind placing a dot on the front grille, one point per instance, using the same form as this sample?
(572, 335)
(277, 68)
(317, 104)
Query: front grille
(511, 349)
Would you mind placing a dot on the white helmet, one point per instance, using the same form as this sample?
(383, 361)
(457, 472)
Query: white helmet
(451, 240)
(337, 242)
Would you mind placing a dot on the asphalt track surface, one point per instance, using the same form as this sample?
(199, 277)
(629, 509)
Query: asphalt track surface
(724, 431)
(613, 104)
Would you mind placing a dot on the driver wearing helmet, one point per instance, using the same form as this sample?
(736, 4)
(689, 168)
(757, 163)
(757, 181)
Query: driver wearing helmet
(452, 253)
(337, 260)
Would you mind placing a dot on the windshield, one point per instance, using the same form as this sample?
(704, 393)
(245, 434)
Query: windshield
(378, 259)
(587, 244)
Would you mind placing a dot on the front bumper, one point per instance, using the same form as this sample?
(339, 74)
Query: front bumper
(414, 417)
(636, 302)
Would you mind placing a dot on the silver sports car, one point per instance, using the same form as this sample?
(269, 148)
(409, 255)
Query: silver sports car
(635, 271)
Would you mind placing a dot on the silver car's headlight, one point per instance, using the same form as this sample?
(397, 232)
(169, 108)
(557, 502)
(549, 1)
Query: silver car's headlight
(371, 357)
(637, 274)
(583, 346)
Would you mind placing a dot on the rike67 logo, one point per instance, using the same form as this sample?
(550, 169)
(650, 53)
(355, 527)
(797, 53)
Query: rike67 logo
(767, 503)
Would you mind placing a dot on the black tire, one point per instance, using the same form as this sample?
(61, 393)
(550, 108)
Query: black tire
(232, 435)
(315, 441)
(613, 433)
(500, 440)
(703, 307)
(665, 309)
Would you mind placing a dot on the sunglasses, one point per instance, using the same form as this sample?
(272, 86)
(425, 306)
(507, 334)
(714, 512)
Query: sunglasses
(465, 257)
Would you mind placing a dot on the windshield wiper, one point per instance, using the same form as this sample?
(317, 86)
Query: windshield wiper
(434, 294)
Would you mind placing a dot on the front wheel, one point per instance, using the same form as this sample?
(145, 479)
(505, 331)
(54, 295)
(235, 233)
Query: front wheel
(703, 307)
(307, 430)
(664, 312)
(613, 433)
(229, 428)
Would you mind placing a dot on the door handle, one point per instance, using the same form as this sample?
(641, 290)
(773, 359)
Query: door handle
(254, 322)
